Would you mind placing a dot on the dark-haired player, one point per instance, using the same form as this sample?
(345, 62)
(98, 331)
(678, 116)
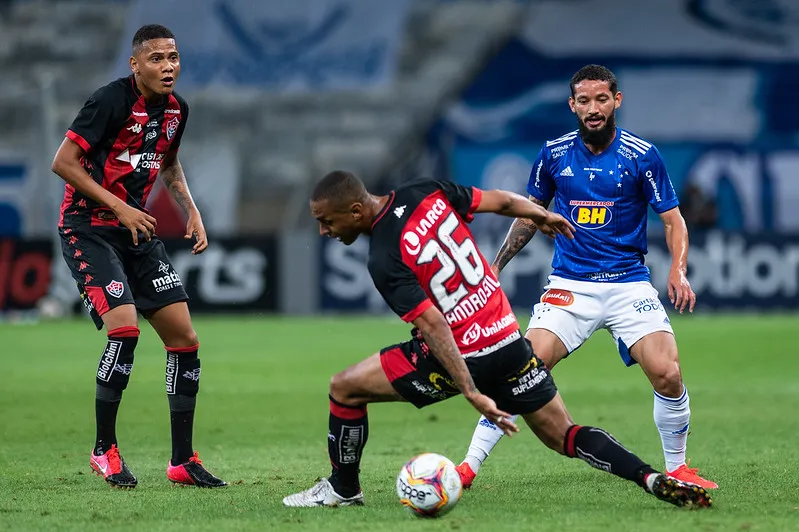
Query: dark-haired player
(125, 135)
(425, 264)
(604, 179)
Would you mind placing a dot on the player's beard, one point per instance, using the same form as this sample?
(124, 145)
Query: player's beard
(598, 137)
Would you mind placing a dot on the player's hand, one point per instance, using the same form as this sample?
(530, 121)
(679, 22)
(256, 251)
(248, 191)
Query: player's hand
(486, 406)
(680, 292)
(196, 230)
(554, 224)
(136, 221)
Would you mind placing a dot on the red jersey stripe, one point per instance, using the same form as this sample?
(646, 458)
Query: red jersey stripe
(418, 311)
(74, 137)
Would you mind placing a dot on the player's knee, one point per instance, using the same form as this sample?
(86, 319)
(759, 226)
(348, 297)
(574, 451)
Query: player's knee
(341, 388)
(667, 380)
(182, 373)
(187, 338)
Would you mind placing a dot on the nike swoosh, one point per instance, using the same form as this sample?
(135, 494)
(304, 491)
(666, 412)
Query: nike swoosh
(100, 467)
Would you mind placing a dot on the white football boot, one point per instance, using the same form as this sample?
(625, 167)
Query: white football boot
(322, 494)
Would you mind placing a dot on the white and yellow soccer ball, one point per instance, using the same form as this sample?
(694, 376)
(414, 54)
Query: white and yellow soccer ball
(429, 485)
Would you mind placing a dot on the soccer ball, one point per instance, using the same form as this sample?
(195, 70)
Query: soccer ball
(429, 485)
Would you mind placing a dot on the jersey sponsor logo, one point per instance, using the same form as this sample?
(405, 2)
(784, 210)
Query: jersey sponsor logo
(127, 157)
(141, 160)
(591, 214)
(135, 128)
(137, 113)
(115, 288)
(648, 304)
(654, 185)
(172, 111)
(432, 215)
(168, 281)
(172, 127)
(567, 172)
(538, 174)
(477, 331)
(109, 360)
(437, 378)
(512, 337)
(560, 151)
(412, 243)
(626, 152)
(529, 380)
(150, 136)
(601, 277)
(152, 123)
(558, 297)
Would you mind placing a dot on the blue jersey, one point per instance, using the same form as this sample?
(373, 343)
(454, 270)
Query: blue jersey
(605, 197)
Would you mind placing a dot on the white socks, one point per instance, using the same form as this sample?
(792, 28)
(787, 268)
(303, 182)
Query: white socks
(672, 417)
(486, 436)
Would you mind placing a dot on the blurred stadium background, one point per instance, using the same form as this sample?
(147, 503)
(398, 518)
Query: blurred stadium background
(282, 92)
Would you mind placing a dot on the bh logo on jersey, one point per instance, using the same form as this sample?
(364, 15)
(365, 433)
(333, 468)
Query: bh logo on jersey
(591, 214)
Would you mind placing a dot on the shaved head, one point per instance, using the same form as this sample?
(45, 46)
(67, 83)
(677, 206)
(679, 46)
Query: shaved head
(340, 190)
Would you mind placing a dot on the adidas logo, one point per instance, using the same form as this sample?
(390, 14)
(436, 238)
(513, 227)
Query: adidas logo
(399, 211)
(567, 172)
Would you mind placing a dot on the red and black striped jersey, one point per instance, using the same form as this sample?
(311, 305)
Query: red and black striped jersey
(422, 253)
(125, 140)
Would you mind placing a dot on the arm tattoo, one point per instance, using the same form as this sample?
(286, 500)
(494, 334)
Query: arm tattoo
(175, 182)
(521, 232)
(442, 344)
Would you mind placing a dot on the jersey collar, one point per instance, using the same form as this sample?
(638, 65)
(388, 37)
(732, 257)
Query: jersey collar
(382, 212)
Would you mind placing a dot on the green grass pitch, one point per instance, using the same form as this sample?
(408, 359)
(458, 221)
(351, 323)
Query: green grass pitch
(262, 422)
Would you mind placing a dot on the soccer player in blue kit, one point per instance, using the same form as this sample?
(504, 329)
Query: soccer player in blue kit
(602, 178)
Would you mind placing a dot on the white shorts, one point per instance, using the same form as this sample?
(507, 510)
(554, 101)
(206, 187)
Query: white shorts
(573, 310)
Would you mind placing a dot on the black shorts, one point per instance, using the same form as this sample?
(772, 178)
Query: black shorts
(111, 271)
(512, 376)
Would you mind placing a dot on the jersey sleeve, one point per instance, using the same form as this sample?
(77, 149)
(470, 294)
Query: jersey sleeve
(464, 200)
(399, 287)
(541, 184)
(93, 120)
(657, 185)
(184, 112)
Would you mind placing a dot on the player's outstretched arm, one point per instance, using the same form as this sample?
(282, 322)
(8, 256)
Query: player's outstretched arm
(531, 215)
(175, 182)
(438, 336)
(520, 233)
(67, 165)
(680, 292)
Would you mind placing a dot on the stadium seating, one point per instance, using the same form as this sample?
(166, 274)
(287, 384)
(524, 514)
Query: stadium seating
(285, 139)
